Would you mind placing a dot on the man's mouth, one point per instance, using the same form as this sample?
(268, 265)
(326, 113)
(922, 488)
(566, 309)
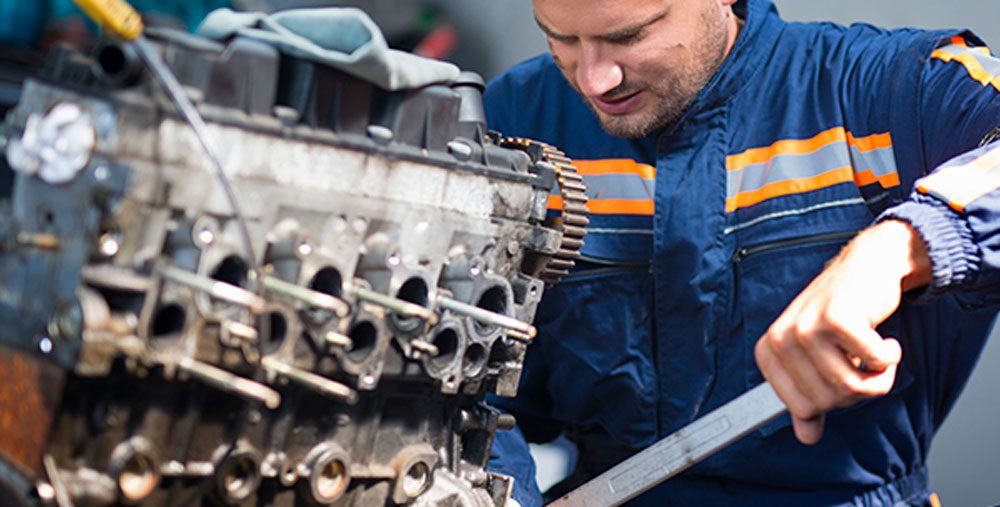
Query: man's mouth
(622, 104)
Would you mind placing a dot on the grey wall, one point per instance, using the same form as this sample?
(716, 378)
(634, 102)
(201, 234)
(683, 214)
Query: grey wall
(494, 34)
(497, 34)
(982, 16)
(965, 458)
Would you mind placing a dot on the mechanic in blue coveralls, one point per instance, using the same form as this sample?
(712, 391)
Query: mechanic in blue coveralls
(730, 156)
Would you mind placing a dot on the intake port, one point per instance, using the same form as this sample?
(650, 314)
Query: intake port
(274, 329)
(473, 360)
(329, 282)
(446, 340)
(413, 291)
(499, 351)
(168, 320)
(232, 270)
(363, 337)
(494, 300)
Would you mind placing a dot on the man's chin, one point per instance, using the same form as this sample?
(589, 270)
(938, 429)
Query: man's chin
(634, 124)
(629, 126)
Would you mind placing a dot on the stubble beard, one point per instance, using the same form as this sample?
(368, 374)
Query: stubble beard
(675, 92)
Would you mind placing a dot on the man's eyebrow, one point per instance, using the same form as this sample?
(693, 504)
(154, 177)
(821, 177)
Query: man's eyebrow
(548, 31)
(615, 35)
(628, 31)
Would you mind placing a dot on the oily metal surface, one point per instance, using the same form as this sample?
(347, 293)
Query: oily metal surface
(343, 357)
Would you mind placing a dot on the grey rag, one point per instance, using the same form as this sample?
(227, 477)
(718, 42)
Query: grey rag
(342, 37)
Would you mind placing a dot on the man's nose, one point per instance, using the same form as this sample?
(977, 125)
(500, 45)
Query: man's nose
(597, 74)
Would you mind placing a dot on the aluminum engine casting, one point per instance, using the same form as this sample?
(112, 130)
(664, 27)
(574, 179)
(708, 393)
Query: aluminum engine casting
(398, 255)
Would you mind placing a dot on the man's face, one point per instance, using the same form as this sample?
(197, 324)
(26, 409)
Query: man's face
(637, 63)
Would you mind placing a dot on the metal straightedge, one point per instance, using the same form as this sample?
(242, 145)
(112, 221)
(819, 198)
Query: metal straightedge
(678, 451)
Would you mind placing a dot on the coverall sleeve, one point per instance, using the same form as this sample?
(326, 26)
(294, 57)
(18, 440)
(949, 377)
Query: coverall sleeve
(510, 456)
(956, 208)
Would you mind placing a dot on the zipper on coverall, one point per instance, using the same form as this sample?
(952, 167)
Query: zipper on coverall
(743, 252)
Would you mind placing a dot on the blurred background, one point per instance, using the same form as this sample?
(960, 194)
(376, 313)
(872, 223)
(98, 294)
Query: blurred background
(488, 36)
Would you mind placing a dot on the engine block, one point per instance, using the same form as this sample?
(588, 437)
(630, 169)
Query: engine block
(332, 344)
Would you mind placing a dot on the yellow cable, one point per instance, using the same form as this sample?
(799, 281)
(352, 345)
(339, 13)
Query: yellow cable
(117, 16)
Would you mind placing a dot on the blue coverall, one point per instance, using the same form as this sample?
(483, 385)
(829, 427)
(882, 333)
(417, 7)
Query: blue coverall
(702, 232)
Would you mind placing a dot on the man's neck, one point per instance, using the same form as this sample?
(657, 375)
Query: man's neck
(734, 27)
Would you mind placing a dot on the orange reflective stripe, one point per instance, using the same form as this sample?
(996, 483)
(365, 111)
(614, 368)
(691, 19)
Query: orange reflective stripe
(935, 501)
(867, 177)
(800, 146)
(870, 143)
(555, 202)
(615, 166)
(610, 206)
(612, 166)
(784, 147)
(960, 185)
(620, 207)
(958, 40)
(858, 147)
(972, 66)
(792, 186)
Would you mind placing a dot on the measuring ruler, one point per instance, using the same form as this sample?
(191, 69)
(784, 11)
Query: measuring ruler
(678, 451)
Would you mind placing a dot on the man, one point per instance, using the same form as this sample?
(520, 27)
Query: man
(729, 157)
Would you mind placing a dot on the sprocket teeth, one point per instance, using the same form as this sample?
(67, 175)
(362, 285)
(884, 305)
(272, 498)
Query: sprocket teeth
(573, 220)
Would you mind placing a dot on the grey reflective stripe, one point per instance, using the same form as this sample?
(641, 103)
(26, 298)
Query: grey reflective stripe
(619, 186)
(794, 212)
(965, 178)
(881, 161)
(989, 63)
(787, 167)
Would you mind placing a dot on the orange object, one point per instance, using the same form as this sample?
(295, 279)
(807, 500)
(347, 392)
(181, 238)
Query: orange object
(117, 16)
(29, 394)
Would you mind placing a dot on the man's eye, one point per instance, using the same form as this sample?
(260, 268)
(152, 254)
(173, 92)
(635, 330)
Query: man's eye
(562, 40)
(627, 39)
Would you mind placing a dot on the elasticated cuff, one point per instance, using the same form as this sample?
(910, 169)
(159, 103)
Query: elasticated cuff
(954, 256)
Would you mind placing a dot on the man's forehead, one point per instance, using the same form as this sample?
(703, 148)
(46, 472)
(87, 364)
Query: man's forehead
(596, 17)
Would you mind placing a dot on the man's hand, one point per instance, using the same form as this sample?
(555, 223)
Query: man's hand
(823, 351)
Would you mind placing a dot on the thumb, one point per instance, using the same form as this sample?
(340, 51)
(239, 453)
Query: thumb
(874, 352)
(892, 351)
(808, 431)
(886, 352)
